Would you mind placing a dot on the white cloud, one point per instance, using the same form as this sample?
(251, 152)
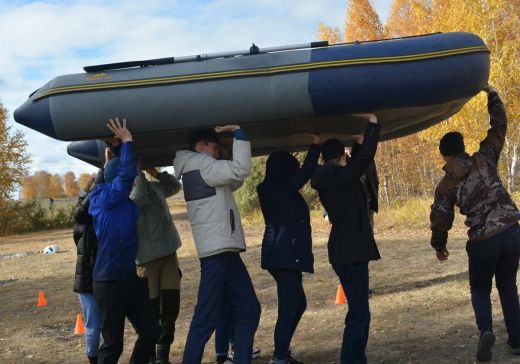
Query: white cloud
(44, 39)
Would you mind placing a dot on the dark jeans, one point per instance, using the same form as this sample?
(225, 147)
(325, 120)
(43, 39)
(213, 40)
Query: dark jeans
(120, 299)
(292, 303)
(225, 330)
(223, 275)
(354, 279)
(496, 256)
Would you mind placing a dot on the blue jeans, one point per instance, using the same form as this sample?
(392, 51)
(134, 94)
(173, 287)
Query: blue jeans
(223, 275)
(496, 256)
(354, 279)
(92, 319)
(292, 303)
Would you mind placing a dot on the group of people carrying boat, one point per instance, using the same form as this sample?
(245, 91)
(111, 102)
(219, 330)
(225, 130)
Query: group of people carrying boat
(128, 268)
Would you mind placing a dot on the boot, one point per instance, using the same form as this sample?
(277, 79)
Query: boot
(92, 359)
(152, 359)
(163, 354)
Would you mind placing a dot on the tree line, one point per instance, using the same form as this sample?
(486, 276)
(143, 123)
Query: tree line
(411, 166)
(43, 184)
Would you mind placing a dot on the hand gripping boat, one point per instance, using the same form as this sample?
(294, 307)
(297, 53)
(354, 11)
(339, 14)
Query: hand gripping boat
(274, 93)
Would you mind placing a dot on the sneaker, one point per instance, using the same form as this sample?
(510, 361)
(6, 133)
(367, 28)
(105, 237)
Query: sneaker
(513, 349)
(487, 339)
(223, 360)
(256, 353)
(273, 360)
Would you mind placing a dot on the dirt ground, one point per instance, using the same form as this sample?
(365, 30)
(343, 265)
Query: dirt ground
(421, 311)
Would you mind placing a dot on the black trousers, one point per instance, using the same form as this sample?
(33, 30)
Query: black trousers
(292, 303)
(118, 300)
(166, 308)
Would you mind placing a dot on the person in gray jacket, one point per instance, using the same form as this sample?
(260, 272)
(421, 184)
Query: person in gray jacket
(208, 184)
(158, 241)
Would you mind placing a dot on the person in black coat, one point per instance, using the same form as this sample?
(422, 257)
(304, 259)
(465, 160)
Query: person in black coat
(86, 243)
(287, 242)
(370, 184)
(351, 242)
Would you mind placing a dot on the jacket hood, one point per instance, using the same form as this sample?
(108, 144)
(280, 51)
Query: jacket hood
(281, 166)
(458, 167)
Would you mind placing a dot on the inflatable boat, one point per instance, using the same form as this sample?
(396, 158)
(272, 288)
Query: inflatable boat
(274, 93)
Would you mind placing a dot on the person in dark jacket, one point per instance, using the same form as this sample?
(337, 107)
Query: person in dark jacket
(287, 242)
(118, 290)
(351, 242)
(370, 184)
(86, 243)
(472, 183)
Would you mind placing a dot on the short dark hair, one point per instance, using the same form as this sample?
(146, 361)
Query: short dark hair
(332, 149)
(202, 135)
(452, 144)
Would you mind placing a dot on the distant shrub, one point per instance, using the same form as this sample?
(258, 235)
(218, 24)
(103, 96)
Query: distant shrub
(18, 217)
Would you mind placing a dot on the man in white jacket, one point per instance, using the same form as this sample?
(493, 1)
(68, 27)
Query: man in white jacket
(219, 238)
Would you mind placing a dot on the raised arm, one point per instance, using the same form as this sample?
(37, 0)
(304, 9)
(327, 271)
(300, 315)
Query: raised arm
(225, 172)
(141, 191)
(121, 186)
(492, 145)
(359, 162)
(168, 182)
(308, 166)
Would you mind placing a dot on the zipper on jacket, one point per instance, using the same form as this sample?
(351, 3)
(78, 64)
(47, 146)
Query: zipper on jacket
(232, 220)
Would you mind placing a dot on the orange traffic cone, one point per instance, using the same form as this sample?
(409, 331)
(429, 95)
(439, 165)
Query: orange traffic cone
(341, 298)
(41, 300)
(80, 326)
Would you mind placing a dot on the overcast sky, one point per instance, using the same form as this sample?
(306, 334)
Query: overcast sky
(45, 39)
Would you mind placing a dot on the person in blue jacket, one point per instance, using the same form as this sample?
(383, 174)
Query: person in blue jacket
(117, 288)
(287, 242)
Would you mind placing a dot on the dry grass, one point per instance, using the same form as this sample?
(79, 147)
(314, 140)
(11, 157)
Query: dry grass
(421, 311)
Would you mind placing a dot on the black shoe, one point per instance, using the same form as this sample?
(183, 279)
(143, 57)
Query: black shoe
(92, 359)
(291, 360)
(163, 354)
(513, 349)
(487, 339)
(223, 360)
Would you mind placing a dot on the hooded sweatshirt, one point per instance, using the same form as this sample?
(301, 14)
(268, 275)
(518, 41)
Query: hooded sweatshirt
(287, 242)
(472, 183)
(157, 235)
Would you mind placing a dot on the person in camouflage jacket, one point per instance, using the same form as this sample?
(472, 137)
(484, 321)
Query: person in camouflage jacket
(472, 183)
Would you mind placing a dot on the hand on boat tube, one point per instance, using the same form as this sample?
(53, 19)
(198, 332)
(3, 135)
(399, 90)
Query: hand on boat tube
(372, 118)
(358, 138)
(223, 128)
(315, 137)
(488, 88)
(108, 155)
(120, 131)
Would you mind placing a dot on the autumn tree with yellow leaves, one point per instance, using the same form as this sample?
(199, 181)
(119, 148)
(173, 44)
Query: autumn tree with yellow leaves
(14, 160)
(410, 166)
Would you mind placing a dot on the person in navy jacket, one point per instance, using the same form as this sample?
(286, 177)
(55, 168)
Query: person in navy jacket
(287, 242)
(118, 290)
